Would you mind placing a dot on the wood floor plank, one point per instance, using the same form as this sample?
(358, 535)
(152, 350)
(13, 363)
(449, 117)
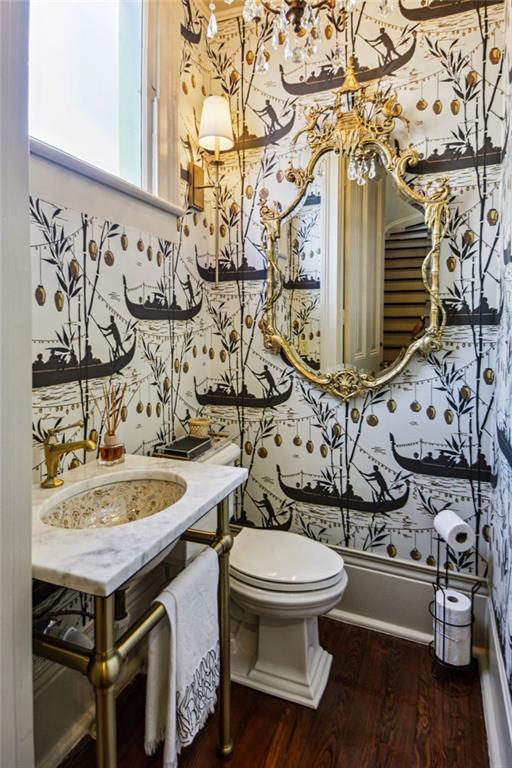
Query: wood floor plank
(383, 708)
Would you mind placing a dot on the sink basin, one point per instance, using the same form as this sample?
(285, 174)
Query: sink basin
(115, 503)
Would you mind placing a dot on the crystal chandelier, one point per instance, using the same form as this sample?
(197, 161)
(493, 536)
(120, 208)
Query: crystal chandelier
(296, 24)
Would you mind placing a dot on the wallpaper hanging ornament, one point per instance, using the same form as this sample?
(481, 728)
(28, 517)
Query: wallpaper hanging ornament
(167, 384)
(59, 300)
(415, 406)
(186, 230)
(297, 440)
(278, 440)
(372, 420)
(431, 560)
(488, 376)
(486, 533)
(149, 253)
(465, 392)
(93, 250)
(248, 447)
(40, 294)
(324, 451)
(74, 268)
(194, 351)
(422, 103)
(495, 55)
(249, 321)
(448, 416)
(391, 405)
(158, 410)
(223, 230)
(108, 257)
(469, 237)
(249, 192)
(149, 410)
(336, 430)
(492, 216)
(249, 57)
(391, 550)
(262, 452)
(355, 415)
(223, 355)
(185, 367)
(472, 78)
(310, 446)
(205, 349)
(124, 241)
(176, 365)
(193, 80)
(431, 412)
(159, 258)
(184, 88)
(455, 106)
(140, 244)
(451, 263)
(211, 353)
(124, 413)
(280, 176)
(140, 407)
(437, 107)
(328, 32)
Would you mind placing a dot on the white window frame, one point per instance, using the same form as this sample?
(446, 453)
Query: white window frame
(160, 77)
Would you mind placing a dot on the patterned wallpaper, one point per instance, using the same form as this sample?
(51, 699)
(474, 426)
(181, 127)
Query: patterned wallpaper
(370, 474)
(501, 517)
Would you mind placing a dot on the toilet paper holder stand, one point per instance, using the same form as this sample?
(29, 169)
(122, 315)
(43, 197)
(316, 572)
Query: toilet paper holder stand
(442, 582)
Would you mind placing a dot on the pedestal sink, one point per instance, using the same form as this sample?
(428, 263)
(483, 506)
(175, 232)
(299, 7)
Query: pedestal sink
(114, 503)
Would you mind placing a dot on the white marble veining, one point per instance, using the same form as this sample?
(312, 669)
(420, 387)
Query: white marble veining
(99, 560)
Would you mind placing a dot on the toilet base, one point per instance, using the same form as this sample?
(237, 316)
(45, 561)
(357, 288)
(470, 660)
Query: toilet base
(280, 657)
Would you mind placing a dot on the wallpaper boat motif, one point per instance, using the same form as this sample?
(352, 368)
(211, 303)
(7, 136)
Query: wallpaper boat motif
(329, 77)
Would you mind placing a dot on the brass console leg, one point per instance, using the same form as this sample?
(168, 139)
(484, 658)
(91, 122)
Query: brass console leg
(225, 742)
(103, 671)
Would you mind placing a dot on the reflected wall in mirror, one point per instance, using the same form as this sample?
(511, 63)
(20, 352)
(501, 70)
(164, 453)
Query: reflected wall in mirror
(353, 276)
(351, 256)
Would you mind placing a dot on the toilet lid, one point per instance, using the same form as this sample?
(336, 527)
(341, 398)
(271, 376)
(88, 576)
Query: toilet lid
(284, 561)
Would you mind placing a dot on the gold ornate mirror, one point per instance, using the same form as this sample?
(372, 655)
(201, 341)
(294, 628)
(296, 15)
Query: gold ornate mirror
(353, 259)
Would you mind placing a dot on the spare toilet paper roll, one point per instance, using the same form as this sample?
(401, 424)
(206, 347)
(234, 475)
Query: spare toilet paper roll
(455, 652)
(453, 609)
(452, 529)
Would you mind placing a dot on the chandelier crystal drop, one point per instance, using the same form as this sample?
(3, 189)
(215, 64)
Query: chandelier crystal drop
(296, 24)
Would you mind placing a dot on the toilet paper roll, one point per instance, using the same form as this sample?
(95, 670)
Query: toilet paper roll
(452, 610)
(452, 529)
(455, 652)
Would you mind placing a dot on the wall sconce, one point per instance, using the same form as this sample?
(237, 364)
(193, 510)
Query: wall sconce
(216, 136)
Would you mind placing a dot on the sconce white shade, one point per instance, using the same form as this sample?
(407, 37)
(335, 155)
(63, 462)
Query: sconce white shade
(215, 130)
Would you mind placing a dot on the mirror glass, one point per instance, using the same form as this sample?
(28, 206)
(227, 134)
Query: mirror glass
(351, 256)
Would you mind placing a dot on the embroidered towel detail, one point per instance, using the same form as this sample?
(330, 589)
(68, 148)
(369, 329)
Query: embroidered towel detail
(183, 659)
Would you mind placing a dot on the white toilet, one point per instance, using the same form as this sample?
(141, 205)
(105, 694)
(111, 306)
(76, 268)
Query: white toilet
(280, 584)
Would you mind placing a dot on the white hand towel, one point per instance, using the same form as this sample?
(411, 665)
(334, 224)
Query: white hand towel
(183, 659)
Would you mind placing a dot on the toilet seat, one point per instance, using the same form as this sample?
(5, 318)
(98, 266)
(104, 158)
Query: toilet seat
(279, 561)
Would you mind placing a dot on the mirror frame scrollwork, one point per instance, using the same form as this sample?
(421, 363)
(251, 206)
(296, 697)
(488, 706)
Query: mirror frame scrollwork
(361, 130)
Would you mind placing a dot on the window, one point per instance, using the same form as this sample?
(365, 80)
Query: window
(87, 93)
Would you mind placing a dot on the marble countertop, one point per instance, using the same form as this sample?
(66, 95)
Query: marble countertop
(99, 560)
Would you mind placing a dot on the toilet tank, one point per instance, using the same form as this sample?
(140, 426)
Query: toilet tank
(184, 551)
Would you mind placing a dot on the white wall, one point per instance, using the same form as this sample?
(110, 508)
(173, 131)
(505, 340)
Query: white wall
(16, 749)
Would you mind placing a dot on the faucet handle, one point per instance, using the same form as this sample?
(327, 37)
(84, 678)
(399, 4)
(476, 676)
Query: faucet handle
(54, 430)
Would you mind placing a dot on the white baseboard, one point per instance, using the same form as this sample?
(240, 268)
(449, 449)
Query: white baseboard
(392, 597)
(496, 698)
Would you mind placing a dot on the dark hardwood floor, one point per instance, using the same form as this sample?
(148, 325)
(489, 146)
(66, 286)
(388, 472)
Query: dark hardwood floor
(382, 709)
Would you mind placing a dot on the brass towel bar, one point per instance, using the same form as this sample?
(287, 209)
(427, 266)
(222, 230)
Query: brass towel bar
(103, 664)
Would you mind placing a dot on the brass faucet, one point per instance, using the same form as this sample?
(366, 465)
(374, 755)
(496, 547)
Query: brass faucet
(53, 452)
